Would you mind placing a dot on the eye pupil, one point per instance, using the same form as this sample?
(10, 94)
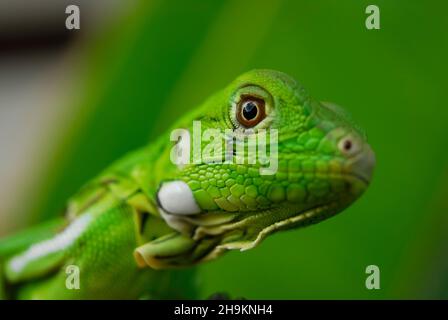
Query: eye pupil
(250, 110)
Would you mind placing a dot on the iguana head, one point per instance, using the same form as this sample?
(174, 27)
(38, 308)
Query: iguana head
(257, 157)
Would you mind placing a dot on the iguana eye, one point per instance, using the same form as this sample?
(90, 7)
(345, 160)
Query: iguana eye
(250, 111)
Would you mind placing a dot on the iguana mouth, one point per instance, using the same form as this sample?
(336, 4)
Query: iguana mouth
(359, 177)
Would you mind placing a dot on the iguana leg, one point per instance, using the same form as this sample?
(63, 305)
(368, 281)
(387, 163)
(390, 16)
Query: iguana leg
(12, 245)
(38, 258)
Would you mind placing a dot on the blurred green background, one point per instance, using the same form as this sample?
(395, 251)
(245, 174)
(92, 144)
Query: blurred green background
(161, 58)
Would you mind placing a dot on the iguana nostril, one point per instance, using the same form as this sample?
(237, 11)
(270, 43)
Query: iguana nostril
(347, 145)
(350, 146)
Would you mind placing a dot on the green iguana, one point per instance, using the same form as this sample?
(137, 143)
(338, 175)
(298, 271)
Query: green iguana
(136, 229)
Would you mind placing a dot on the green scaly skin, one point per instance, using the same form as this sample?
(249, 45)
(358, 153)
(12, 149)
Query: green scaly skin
(126, 247)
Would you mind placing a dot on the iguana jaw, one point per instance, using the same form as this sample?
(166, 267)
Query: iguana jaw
(303, 218)
(208, 242)
(210, 235)
(254, 228)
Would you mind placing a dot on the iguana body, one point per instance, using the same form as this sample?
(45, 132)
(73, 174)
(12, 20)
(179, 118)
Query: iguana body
(135, 230)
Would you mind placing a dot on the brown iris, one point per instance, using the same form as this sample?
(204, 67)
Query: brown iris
(250, 111)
